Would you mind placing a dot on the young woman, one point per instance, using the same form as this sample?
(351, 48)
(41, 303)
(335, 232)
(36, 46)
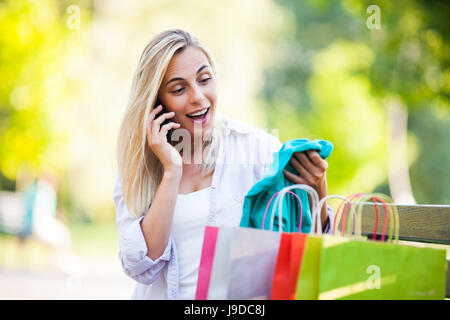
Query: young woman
(167, 191)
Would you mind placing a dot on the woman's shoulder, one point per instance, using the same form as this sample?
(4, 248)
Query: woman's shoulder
(234, 127)
(247, 141)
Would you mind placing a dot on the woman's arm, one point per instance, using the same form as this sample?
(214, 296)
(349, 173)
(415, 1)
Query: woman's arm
(132, 245)
(157, 222)
(145, 244)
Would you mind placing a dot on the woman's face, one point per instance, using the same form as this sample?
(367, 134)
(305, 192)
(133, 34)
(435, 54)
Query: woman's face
(189, 90)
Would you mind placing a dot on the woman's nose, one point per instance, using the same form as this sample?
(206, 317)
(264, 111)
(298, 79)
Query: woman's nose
(197, 96)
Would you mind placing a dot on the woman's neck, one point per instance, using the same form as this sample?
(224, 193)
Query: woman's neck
(194, 156)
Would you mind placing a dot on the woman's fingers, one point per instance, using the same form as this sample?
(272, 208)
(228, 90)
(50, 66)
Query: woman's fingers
(155, 110)
(310, 166)
(156, 124)
(302, 158)
(165, 128)
(308, 175)
(294, 178)
(312, 162)
(317, 160)
(164, 116)
(151, 117)
(311, 169)
(153, 113)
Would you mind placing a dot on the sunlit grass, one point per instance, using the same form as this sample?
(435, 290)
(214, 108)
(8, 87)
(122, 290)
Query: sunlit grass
(30, 254)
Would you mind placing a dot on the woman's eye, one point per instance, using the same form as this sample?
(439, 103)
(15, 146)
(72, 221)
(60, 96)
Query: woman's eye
(178, 91)
(205, 80)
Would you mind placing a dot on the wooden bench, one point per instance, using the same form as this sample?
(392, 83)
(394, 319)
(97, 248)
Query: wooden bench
(427, 224)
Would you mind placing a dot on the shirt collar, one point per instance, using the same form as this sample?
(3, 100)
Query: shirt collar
(235, 126)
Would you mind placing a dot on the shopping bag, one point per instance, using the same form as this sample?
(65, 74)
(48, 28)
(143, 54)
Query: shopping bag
(289, 258)
(207, 257)
(354, 269)
(307, 282)
(337, 267)
(380, 270)
(288, 264)
(244, 262)
(241, 253)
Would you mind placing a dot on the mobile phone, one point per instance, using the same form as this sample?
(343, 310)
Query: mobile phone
(164, 110)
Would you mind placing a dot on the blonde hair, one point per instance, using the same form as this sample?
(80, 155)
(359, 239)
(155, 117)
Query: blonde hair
(140, 170)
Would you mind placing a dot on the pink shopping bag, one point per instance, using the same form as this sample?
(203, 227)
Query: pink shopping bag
(227, 266)
(206, 262)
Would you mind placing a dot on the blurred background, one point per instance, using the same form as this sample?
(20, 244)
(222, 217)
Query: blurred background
(372, 77)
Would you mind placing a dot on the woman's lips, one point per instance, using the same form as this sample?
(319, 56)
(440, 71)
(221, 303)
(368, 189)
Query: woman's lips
(199, 119)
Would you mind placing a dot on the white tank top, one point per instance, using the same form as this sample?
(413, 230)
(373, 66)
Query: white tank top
(189, 220)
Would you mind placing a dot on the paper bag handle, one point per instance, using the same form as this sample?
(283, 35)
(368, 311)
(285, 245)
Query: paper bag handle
(280, 196)
(337, 216)
(374, 197)
(353, 197)
(270, 201)
(393, 213)
(323, 201)
(359, 196)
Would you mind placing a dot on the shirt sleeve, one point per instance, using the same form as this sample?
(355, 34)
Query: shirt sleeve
(268, 146)
(132, 246)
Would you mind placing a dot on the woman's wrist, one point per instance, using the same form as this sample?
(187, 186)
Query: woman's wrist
(173, 175)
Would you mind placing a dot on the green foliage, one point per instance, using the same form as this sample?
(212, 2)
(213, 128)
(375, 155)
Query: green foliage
(34, 41)
(330, 78)
(335, 75)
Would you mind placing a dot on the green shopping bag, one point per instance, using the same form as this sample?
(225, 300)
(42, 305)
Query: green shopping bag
(369, 270)
(336, 267)
(308, 279)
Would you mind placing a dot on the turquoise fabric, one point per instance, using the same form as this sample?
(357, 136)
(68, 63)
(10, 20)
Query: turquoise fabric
(256, 200)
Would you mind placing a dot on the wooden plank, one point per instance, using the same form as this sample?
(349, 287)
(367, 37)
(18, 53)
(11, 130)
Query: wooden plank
(423, 223)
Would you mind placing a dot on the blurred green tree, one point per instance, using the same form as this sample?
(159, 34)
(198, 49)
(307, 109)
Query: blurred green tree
(35, 38)
(354, 84)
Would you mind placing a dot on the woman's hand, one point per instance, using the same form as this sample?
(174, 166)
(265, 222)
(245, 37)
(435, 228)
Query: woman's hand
(157, 140)
(311, 169)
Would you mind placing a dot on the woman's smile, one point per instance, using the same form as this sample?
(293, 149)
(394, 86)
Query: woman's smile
(200, 116)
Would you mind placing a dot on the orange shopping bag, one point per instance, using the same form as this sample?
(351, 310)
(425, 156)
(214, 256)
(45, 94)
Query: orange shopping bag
(288, 263)
(288, 266)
